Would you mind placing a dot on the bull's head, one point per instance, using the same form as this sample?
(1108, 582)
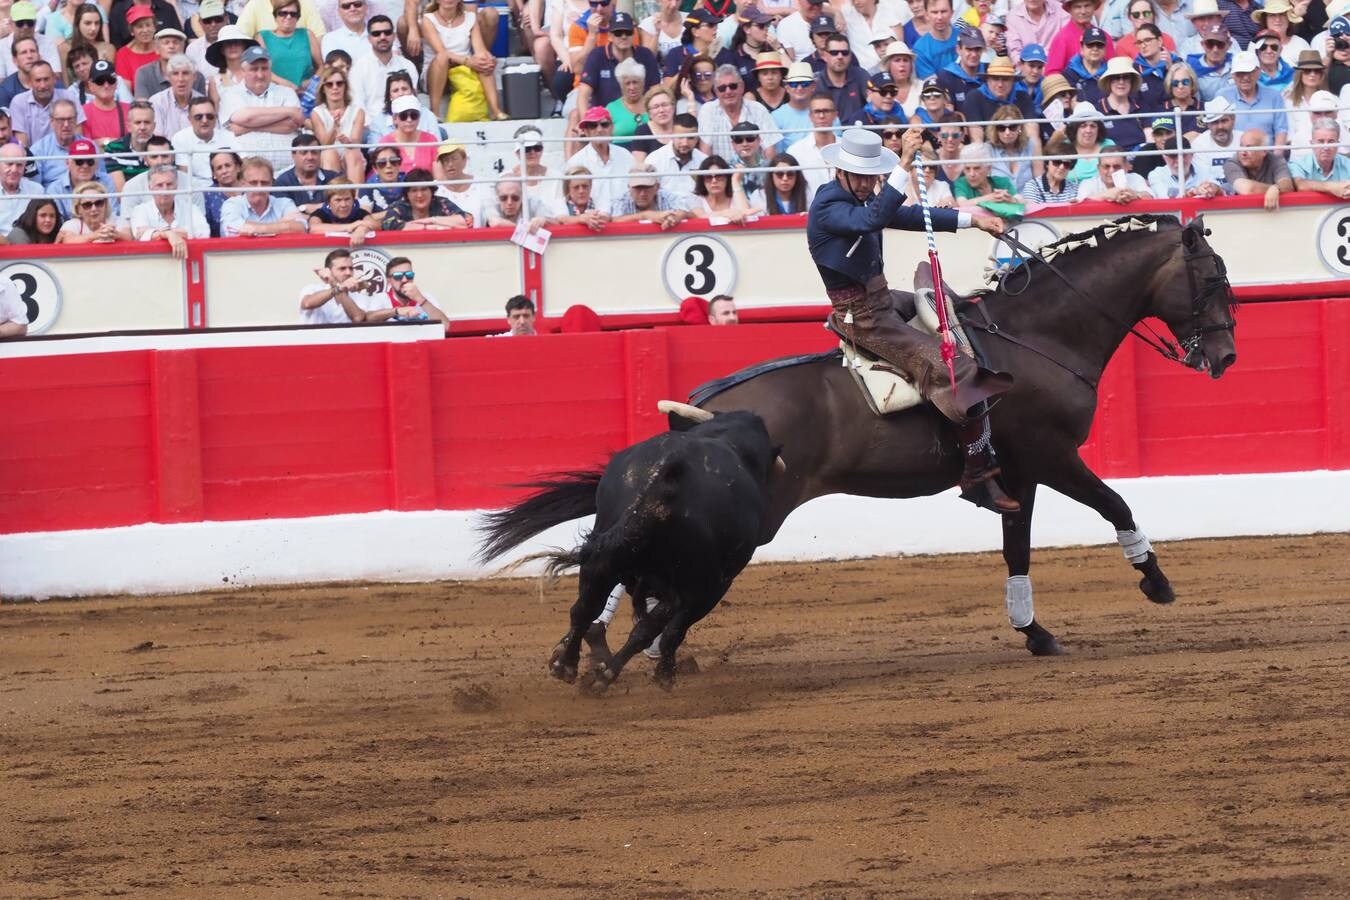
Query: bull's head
(694, 414)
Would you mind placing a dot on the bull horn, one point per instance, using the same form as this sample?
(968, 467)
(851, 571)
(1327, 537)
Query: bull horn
(683, 410)
(779, 467)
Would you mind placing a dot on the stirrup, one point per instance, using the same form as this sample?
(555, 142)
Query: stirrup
(983, 490)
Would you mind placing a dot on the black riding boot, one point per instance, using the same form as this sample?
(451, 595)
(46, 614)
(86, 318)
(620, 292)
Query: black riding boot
(979, 480)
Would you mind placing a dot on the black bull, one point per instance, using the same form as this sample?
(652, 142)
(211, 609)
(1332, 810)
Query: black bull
(677, 517)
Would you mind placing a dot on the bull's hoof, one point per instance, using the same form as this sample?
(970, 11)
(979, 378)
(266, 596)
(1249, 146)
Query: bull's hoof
(597, 647)
(596, 681)
(1041, 642)
(558, 666)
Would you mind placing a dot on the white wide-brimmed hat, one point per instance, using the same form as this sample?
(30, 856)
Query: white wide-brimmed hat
(860, 152)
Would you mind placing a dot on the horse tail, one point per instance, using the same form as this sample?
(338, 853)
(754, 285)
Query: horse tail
(561, 498)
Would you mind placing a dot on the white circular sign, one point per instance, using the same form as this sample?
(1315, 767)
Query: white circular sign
(38, 290)
(369, 264)
(1032, 232)
(1333, 241)
(699, 265)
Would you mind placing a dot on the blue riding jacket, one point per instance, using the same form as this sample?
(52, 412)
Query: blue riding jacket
(838, 219)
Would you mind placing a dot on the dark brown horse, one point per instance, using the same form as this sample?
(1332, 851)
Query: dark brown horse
(1053, 326)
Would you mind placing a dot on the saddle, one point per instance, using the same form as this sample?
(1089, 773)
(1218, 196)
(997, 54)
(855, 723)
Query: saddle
(884, 387)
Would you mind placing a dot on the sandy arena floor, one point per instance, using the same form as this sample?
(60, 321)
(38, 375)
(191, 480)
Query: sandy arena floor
(858, 729)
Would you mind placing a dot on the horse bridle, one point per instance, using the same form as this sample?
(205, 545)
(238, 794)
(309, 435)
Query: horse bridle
(1203, 290)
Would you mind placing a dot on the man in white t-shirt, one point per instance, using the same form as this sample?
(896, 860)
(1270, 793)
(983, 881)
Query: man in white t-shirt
(329, 301)
(13, 311)
(794, 31)
(674, 160)
(369, 74)
(204, 136)
(1216, 145)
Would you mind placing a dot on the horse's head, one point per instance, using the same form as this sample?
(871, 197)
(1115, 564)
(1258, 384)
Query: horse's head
(1197, 303)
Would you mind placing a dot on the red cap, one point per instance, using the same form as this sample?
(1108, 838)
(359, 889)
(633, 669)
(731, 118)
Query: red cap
(82, 147)
(136, 13)
(597, 114)
(580, 319)
(694, 311)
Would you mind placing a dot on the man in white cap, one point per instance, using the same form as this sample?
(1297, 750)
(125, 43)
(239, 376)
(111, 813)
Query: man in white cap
(1256, 106)
(843, 232)
(152, 78)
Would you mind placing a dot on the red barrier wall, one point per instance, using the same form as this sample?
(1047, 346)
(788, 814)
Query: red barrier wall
(242, 433)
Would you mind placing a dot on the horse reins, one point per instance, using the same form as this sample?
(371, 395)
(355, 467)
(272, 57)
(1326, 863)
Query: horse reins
(1201, 289)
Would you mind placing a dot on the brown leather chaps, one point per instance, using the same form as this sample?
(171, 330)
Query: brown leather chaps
(877, 328)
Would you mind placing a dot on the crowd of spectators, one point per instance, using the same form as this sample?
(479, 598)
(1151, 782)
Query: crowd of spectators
(158, 120)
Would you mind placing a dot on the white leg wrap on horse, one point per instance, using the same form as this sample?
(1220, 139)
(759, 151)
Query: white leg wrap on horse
(653, 650)
(612, 604)
(1135, 544)
(1017, 597)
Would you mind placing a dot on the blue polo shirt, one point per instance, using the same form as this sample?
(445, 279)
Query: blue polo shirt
(1305, 166)
(932, 55)
(1266, 111)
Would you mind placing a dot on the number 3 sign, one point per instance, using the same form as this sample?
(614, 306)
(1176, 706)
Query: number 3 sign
(39, 291)
(699, 265)
(1333, 239)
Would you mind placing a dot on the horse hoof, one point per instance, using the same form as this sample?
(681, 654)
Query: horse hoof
(686, 665)
(1157, 591)
(596, 681)
(1041, 642)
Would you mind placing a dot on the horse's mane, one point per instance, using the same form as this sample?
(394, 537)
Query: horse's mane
(1073, 244)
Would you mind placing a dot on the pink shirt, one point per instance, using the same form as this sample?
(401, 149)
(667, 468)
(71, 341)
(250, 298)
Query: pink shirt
(423, 156)
(104, 124)
(1022, 30)
(1066, 45)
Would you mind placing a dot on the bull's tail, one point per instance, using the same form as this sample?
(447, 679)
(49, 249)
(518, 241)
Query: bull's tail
(561, 498)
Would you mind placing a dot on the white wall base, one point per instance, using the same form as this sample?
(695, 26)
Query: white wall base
(148, 559)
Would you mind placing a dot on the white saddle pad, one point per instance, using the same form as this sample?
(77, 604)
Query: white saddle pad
(886, 389)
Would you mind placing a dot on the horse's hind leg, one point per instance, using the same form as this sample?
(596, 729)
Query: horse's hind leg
(1017, 554)
(592, 590)
(1080, 483)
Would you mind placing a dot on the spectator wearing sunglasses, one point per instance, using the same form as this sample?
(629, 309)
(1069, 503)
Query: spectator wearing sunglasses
(370, 72)
(843, 80)
(404, 300)
(1182, 95)
(105, 117)
(1272, 70)
(794, 117)
(386, 181)
(603, 67)
(1054, 186)
(210, 19)
(542, 181)
(255, 212)
(24, 15)
(600, 156)
(417, 147)
(260, 15)
(195, 144)
(1213, 66)
(1256, 106)
(94, 220)
(348, 33)
(883, 104)
(698, 39)
(715, 119)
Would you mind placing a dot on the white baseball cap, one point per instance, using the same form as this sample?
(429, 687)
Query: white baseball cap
(1244, 61)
